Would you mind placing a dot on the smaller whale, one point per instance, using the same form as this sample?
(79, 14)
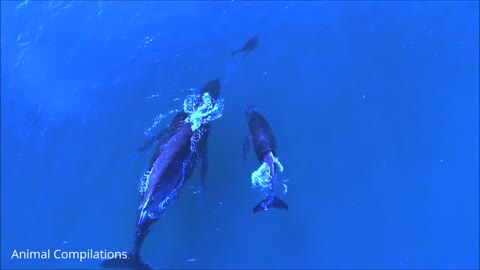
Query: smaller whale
(265, 147)
(213, 89)
(248, 46)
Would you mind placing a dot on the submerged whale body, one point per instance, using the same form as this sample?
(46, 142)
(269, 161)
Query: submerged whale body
(164, 182)
(265, 146)
(213, 89)
(171, 164)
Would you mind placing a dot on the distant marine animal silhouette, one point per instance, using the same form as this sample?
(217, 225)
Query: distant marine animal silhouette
(249, 46)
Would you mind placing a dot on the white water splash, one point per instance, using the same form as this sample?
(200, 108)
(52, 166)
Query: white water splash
(261, 178)
(208, 111)
(158, 120)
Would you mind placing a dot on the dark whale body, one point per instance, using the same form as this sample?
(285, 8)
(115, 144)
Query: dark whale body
(265, 147)
(213, 89)
(171, 164)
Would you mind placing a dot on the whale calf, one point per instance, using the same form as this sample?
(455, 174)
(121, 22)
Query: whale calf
(265, 146)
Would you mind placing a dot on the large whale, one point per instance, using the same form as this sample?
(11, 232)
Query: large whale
(213, 89)
(170, 166)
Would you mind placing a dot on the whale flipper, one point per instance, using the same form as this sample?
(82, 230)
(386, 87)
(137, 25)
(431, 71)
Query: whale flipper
(276, 203)
(246, 146)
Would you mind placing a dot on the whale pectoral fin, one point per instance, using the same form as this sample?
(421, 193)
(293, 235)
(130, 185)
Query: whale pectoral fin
(246, 146)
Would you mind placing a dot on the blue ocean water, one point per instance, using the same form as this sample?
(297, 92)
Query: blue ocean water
(374, 105)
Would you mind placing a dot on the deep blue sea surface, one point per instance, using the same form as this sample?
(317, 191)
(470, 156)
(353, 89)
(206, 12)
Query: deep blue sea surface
(374, 105)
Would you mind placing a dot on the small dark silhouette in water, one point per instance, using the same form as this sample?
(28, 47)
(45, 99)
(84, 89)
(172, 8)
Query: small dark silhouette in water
(248, 46)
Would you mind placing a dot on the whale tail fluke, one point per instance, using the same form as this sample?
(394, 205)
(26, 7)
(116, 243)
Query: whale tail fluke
(131, 262)
(276, 203)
